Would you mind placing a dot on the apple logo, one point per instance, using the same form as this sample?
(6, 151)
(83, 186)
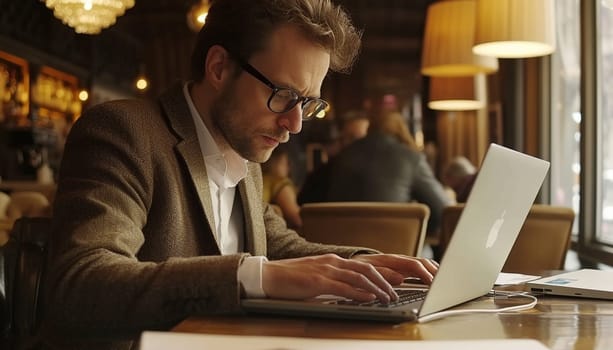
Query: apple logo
(493, 235)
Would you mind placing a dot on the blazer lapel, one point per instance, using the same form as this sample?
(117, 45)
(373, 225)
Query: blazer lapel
(188, 147)
(255, 230)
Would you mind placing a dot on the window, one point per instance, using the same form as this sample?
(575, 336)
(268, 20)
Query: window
(566, 108)
(582, 123)
(604, 56)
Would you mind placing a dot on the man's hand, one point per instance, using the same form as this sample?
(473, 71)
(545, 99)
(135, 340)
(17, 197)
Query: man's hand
(362, 278)
(395, 268)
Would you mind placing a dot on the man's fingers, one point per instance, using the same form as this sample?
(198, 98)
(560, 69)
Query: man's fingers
(422, 268)
(393, 277)
(368, 271)
(362, 278)
(326, 274)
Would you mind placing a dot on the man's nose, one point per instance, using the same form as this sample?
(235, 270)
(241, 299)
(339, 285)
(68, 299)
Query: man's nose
(292, 119)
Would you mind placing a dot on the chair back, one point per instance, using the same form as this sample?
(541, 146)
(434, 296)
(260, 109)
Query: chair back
(5, 222)
(388, 227)
(542, 243)
(28, 203)
(5, 199)
(22, 263)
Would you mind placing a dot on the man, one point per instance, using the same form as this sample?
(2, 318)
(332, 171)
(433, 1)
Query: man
(159, 213)
(387, 166)
(460, 176)
(352, 127)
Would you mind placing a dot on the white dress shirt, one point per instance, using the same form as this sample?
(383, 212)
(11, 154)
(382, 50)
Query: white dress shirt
(225, 170)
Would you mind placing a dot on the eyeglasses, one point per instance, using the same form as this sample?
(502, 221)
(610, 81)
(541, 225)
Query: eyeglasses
(283, 99)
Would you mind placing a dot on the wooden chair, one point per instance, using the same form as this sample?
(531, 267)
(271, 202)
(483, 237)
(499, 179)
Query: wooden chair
(21, 204)
(5, 199)
(5, 222)
(28, 203)
(22, 264)
(388, 227)
(542, 242)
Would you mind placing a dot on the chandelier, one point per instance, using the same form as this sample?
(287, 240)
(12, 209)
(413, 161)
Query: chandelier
(88, 16)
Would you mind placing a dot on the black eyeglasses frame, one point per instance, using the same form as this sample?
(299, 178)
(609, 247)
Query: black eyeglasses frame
(304, 101)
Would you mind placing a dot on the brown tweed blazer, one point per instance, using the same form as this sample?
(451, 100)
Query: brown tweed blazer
(132, 245)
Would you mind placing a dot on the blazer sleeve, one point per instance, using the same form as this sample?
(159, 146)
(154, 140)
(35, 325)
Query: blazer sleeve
(97, 285)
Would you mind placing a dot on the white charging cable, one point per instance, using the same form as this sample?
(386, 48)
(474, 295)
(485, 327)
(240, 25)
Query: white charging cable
(496, 294)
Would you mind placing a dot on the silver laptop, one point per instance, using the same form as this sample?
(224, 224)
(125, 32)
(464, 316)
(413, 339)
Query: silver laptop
(586, 283)
(501, 197)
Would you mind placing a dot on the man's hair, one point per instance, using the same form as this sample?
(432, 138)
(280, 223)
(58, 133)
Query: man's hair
(460, 167)
(245, 26)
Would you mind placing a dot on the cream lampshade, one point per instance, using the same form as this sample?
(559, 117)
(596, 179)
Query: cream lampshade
(515, 28)
(457, 93)
(448, 41)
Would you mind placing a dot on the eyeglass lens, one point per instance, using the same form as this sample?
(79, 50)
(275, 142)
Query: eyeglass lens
(283, 100)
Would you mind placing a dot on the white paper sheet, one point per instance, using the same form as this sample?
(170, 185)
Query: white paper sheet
(188, 341)
(513, 278)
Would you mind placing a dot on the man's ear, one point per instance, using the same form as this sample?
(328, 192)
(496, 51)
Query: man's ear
(218, 67)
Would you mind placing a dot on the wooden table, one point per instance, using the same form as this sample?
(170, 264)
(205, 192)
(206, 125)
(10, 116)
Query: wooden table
(559, 323)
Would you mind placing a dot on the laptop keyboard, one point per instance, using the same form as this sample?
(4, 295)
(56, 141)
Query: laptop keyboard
(405, 296)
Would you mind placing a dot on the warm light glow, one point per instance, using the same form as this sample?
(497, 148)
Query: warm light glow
(448, 40)
(513, 49)
(457, 93)
(322, 114)
(196, 17)
(455, 105)
(202, 18)
(83, 95)
(88, 16)
(515, 28)
(141, 84)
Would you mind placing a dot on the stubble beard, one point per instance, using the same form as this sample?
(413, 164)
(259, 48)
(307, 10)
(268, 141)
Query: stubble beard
(226, 120)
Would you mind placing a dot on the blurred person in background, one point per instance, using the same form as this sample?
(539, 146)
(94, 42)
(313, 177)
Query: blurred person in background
(460, 175)
(353, 126)
(279, 188)
(387, 166)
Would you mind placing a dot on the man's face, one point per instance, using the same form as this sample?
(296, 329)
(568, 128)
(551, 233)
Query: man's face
(240, 112)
